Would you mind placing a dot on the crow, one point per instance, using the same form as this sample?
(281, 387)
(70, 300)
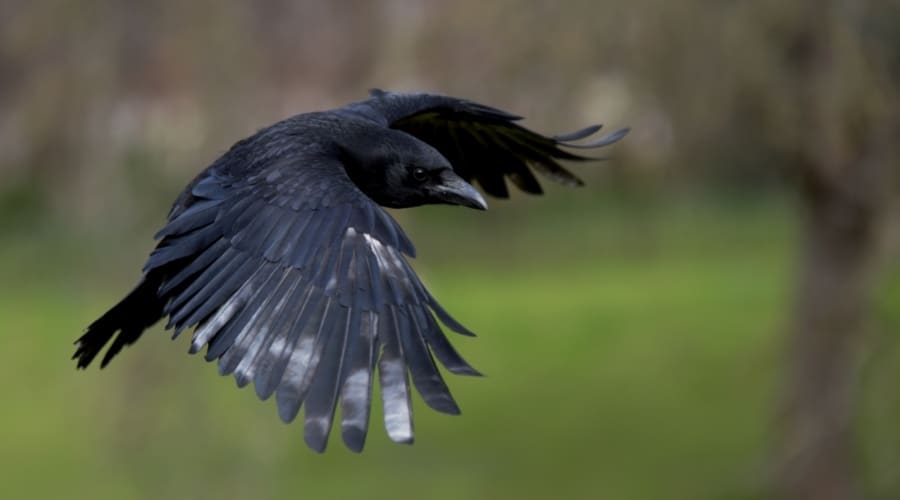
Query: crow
(282, 260)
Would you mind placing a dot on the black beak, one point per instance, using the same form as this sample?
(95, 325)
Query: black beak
(455, 191)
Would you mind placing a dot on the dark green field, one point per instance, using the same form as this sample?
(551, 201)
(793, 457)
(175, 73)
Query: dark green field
(631, 352)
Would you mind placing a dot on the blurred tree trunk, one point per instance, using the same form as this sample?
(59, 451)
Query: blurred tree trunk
(818, 442)
(845, 163)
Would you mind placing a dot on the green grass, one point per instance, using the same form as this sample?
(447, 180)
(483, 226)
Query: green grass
(635, 357)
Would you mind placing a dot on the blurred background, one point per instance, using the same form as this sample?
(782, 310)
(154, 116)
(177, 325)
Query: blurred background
(715, 315)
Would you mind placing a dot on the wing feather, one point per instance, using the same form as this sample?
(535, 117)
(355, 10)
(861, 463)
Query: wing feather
(320, 404)
(255, 331)
(271, 366)
(356, 391)
(425, 374)
(394, 380)
(303, 359)
(441, 347)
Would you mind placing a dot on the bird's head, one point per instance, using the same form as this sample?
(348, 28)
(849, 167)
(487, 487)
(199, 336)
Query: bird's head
(399, 171)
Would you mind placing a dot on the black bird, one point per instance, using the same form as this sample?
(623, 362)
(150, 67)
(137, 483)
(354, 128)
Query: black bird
(281, 259)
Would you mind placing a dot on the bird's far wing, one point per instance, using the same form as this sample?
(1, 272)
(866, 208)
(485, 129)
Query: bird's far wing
(296, 282)
(486, 144)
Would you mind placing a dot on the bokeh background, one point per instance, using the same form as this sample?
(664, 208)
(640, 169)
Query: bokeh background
(714, 316)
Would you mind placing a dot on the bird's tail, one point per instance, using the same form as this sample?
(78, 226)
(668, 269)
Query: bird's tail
(139, 310)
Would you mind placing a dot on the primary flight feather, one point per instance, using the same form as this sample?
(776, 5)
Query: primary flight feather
(281, 258)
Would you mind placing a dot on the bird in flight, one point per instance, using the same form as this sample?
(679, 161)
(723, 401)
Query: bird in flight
(282, 260)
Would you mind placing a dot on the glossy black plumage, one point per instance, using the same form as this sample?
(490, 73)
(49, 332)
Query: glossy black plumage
(281, 260)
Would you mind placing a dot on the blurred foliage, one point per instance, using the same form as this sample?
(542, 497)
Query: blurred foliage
(632, 339)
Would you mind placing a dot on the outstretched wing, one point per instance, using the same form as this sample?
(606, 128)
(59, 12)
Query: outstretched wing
(484, 143)
(297, 282)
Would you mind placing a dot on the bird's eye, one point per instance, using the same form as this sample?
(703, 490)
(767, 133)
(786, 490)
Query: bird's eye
(419, 174)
